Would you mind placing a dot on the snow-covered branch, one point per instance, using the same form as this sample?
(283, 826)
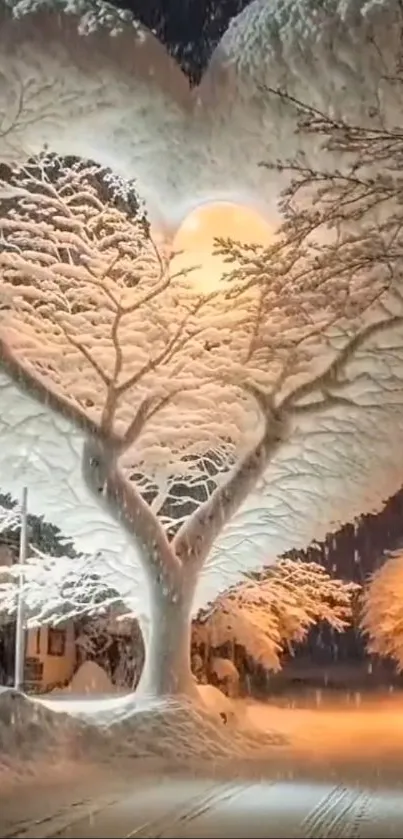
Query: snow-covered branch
(328, 385)
(270, 614)
(10, 518)
(55, 588)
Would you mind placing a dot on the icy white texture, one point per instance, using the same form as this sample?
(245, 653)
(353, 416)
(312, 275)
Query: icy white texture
(124, 102)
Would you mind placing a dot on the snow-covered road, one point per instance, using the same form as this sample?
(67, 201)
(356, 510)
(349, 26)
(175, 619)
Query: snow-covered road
(337, 774)
(202, 808)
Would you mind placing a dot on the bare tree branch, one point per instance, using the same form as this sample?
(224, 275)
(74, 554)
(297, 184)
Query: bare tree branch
(328, 380)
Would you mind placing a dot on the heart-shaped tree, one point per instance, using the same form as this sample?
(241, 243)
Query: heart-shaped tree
(180, 400)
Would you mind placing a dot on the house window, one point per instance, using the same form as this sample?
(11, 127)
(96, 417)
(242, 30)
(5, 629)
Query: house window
(56, 641)
(33, 672)
(38, 642)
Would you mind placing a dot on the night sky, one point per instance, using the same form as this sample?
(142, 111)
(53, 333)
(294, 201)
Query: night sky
(190, 29)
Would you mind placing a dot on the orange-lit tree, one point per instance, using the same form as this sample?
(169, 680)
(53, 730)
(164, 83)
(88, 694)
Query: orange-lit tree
(271, 613)
(382, 611)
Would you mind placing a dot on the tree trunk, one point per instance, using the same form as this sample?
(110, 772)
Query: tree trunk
(167, 668)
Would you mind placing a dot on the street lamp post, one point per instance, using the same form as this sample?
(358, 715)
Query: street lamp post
(19, 665)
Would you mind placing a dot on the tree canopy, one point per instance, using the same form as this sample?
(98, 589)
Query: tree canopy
(271, 613)
(382, 610)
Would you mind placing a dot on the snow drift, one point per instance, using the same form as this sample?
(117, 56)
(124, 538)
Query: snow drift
(31, 736)
(90, 678)
(38, 735)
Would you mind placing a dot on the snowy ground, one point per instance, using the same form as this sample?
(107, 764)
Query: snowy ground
(335, 771)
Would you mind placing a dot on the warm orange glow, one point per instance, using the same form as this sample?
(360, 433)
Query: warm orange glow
(196, 239)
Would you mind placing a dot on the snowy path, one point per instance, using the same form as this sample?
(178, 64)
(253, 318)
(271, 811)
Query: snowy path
(180, 808)
(340, 778)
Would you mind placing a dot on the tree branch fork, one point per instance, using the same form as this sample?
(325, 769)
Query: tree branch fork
(104, 446)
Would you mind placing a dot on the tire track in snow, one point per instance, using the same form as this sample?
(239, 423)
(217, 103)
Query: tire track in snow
(55, 823)
(186, 813)
(337, 815)
(21, 828)
(361, 815)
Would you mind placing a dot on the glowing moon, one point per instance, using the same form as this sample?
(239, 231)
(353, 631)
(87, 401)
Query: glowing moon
(196, 237)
